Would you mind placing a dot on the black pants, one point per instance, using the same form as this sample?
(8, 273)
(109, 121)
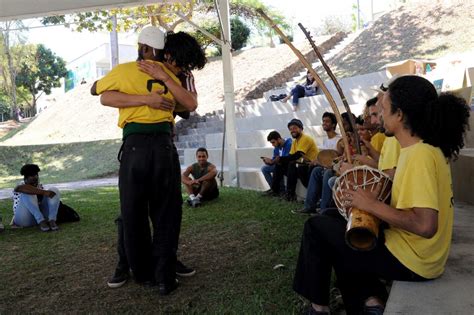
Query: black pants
(150, 190)
(358, 274)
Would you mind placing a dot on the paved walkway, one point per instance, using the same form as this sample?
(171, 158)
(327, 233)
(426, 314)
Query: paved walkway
(84, 184)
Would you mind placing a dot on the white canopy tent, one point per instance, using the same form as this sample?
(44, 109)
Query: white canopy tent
(22, 9)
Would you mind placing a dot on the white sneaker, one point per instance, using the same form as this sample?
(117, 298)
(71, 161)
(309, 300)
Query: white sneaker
(196, 202)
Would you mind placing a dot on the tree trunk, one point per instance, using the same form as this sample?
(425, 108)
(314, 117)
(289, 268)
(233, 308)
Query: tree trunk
(11, 71)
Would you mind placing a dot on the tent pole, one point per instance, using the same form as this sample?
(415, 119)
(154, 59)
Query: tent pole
(230, 134)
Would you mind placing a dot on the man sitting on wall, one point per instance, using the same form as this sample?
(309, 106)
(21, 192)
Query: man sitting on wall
(282, 148)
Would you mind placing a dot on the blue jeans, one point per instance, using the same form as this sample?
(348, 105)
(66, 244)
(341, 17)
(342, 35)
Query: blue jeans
(297, 92)
(328, 182)
(267, 171)
(29, 212)
(318, 188)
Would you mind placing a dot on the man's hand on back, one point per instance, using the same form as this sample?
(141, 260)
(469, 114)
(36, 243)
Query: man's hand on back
(157, 101)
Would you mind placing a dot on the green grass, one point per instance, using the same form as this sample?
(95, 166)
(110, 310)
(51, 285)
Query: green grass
(233, 243)
(60, 162)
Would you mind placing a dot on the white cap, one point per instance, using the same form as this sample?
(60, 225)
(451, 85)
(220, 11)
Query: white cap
(153, 37)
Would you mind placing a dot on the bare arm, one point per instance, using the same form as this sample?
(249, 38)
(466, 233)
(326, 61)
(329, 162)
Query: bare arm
(420, 221)
(365, 160)
(32, 190)
(184, 97)
(374, 154)
(211, 173)
(185, 176)
(122, 100)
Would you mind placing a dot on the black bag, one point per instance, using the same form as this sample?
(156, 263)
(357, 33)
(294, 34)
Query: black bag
(66, 214)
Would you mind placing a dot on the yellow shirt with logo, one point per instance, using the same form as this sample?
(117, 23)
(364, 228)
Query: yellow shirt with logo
(422, 180)
(377, 141)
(389, 155)
(306, 145)
(128, 78)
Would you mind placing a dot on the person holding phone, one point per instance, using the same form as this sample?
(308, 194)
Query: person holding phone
(281, 148)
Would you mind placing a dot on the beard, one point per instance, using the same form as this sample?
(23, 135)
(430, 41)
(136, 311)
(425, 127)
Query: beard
(140, 55)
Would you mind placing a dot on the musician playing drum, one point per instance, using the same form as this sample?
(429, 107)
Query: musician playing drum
(416, 244)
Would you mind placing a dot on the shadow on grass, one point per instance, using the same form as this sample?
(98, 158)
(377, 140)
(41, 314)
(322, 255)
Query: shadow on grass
(232, 242)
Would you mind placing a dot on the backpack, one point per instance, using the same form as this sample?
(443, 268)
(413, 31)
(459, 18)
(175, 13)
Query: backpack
(66, 214)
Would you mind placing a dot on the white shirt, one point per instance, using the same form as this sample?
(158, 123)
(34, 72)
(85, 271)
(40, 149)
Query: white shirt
(330, 144)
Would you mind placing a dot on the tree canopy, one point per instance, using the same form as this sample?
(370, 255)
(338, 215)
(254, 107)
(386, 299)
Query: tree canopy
(40, 72)
(164, 16)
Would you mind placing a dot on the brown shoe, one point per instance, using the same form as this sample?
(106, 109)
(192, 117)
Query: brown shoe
(53, 225)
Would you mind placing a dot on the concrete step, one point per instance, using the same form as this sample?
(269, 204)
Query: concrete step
(462, 171)
(189, 145)
(452, 292)
(192, 138)
(246, 157)
(310, 117)
(252, 178)
(258, 138)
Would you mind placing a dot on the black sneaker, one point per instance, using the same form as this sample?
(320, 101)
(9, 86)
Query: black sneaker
(183, 271)
(289, 197)
(165, 289)
(119, 278)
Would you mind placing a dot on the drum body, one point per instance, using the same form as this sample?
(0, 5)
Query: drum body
(326, 158)
(362, 228)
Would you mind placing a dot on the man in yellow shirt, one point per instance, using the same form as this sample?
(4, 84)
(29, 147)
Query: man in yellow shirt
(416, 244)
(295, 165)
(149, 177)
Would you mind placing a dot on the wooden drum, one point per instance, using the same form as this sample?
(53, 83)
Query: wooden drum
(362, 228)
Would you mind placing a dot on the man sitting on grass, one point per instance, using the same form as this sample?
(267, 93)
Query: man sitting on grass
(33, 205)
(203, 184)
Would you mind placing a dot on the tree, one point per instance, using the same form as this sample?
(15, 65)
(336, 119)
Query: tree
(332, 24)
(41, 74)
(8, 68)
(164, 15)
(239, 34)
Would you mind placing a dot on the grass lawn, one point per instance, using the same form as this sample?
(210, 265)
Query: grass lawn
(60, 162)
(232, 242)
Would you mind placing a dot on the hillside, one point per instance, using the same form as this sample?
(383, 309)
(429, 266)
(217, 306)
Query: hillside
(425, 31)
(77, 116)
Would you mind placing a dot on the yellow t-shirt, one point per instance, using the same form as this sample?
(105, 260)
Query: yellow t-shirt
(127, 78)
(306, 145)
(377, 141)
(389, 155)
(422, 180)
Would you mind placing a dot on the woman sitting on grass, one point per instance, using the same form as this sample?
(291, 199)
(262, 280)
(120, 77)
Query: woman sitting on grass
(309, 89)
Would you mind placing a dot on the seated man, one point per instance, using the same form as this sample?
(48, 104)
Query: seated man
(281, 148)
(296, 164)
(32, 204)
(203, 184)
(320, 174)
(415, 245)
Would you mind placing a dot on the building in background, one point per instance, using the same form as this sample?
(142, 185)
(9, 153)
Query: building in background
(95, 64)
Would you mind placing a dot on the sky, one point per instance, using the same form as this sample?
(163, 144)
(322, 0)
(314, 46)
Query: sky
(70, 45)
